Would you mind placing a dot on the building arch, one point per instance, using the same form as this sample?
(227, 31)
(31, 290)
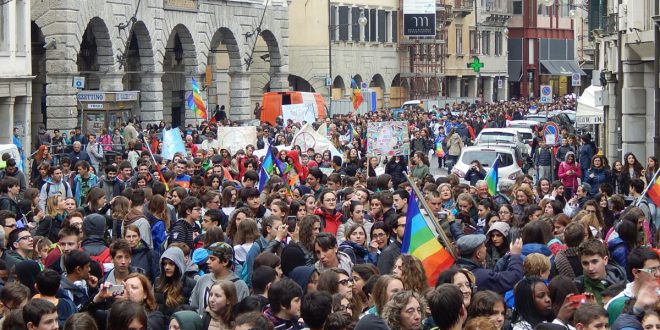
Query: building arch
(338, 88)
(301, 84)
(179, 67)
(95, 53)
(398, 91)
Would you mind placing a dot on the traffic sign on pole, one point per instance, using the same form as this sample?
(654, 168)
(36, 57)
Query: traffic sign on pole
(546, 94)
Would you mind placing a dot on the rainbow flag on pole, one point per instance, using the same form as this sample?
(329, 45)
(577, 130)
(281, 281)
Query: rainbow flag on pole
(195, 101)
(492, 178)
(654, 190)
(420, 239)
(357, 95)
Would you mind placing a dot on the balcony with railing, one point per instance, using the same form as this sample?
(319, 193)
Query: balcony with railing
(610, 24)
(463, 7)
(494, 12)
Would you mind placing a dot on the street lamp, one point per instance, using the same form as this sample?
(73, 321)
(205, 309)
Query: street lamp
(362, 22)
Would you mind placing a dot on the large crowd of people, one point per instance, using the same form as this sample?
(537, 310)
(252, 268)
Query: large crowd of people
(103, 232)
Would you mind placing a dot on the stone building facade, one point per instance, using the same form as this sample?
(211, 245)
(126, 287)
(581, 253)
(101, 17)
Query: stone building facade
(15, 71)
(156, 48)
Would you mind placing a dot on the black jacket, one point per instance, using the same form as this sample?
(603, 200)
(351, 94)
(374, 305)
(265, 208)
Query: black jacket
(396, 171)
(388, 257)
(145, 258)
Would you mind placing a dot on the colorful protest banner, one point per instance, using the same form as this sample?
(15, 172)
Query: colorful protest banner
(388, 138)
(307, 138)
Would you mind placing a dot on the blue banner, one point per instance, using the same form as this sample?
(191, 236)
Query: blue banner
(172, 143)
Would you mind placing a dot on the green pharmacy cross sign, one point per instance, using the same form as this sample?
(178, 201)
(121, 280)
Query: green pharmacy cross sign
(476, 65)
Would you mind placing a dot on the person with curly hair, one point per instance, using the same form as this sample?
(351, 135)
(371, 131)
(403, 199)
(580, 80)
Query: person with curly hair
(405, 311)
(411, 271)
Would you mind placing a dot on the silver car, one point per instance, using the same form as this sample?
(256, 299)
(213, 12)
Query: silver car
(509, 165)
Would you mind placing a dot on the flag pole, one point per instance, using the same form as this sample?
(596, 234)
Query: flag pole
(162, 177)
(441, 233)
(648, 186)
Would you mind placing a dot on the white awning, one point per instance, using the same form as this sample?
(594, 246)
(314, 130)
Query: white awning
(588, 112)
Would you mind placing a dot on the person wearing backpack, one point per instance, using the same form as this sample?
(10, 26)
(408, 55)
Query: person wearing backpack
(54, 186)
(94, 232)
(136, 217)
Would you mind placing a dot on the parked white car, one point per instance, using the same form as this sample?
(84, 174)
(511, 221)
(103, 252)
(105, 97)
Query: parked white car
(517, 138)
(509, 165)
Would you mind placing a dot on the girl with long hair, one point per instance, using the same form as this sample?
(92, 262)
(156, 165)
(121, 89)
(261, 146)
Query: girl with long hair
(246, 234)
(229, 197)
(386, 286)
(497, 243)
(337, 280)
(120, 207)
(234, 220)
(534, 305)
(362, 273)
(51, 224)
(176, 194)
(330, 217)
(489, 304)
(411, 271)
(221, 301)
(463, 279)
(632, 169)
(356, 212)
(355, 245)
(617, 175)
(127, 315)
(96, 202)
(158, 215)
(173, 288)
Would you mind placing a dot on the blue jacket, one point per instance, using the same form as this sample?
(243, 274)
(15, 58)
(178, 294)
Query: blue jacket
(488, 279)
(601, 176)
(77, 185)
(619, 251)
(530, 248)
(585, 153)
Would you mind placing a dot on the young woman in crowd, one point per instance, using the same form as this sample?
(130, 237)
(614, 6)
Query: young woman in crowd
(222, 297)
(173, 288)
(411, 272)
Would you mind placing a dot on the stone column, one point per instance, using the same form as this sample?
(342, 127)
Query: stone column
(472, 87)
(151, 98)
(612, 127)
(6, 119)
(279, 82)
(505, 88)
(22, 109)
(488, 89)
(454, 86)
(634, 96)
(166, 83)
(239, 97)
(111, 82)
(61, 103)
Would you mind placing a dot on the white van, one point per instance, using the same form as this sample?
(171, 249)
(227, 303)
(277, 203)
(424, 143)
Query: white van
(13, 151)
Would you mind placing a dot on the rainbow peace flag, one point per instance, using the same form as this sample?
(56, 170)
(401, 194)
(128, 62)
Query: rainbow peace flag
(357, 95)
(195, 101)
(654, 190)
(420, 239)
(492, 178)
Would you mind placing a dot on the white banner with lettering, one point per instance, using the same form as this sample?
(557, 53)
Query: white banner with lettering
(299, 113)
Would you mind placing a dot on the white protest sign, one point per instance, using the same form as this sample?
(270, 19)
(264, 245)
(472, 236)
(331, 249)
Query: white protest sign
(236, 138)
(307, 138)
(299, 113)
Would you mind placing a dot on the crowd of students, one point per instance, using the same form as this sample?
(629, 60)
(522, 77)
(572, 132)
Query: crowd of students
(136, 241)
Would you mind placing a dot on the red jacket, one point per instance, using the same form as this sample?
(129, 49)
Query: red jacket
(329, 223)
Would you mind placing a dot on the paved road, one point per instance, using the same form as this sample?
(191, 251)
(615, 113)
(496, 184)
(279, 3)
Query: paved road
(435, 171)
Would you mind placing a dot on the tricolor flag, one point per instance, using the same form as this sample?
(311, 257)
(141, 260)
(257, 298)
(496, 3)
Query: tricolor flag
(492, 178)
(357, 95)
(420, 239)
(195, 101)
(654, 189)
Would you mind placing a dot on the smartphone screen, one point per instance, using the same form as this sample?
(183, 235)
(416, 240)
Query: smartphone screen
(291, 223)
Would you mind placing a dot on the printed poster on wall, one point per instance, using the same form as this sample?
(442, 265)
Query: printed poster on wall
(388, 138)
(236, 138)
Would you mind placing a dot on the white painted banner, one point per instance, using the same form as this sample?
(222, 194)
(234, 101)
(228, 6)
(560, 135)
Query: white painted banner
(307, 138)
(299, 113)
(236, 138)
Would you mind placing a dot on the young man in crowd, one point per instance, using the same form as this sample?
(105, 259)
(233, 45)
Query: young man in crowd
(95, 152)
(54, 186)
(597, 273)
(84, 181)
(120, 251)
(315, 309)
(40, 314)
(110, 183)
(48, 284)
(185, 230)
(136, 216)
(9, 192)
(20, 244)
(284, 304)
(220, 262)
(78, 284)
(69, 240)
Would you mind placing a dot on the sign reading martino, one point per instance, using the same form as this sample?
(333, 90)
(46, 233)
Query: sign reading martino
(419, 18)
